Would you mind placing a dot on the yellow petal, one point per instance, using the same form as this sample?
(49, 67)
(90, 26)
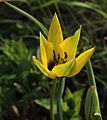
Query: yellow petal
(46, 50)
(43, 69)
(81, 61)
(43, 43)
(55, 34)
(63, 69)
(70, 44)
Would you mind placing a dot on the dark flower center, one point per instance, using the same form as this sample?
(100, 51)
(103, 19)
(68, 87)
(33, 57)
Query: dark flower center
(57, 60)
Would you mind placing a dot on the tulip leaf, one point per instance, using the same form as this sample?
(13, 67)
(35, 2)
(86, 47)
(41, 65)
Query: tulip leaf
(45, 103)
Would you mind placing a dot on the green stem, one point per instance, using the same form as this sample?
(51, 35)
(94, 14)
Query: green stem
(42, 27)
(91, 78)
(60, 90)
(52, 100)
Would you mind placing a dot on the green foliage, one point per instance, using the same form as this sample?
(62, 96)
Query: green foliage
(15, 51)
(44, 103)
(72, 104)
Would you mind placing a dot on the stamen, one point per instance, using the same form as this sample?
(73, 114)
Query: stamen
(54, 56)
(65, 55)
(57, 60)
(58, 56)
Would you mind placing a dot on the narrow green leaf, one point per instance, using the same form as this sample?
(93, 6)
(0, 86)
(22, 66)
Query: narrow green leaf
(87, 5)
(45, 103)
(37, 22)
(47, 4)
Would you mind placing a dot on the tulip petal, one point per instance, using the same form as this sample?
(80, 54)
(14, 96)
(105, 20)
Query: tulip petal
(43, 50)
(55, 35)
(46, 50)
(70, 44)
(81, 61)
(43, 69)
(64, 69)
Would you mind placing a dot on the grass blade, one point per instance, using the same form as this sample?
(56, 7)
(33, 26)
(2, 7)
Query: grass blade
(40, 25)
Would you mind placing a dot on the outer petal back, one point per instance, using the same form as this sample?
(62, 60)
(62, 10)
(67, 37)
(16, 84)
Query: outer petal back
(64, 69)
(81, 61)
(43, 69)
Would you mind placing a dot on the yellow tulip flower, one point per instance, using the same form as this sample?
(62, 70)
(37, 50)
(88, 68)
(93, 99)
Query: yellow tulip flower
(58, 55)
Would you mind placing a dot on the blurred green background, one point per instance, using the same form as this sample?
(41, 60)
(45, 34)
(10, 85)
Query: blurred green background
(24, 90)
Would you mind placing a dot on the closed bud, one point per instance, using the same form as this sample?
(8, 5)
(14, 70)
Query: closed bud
(92, 110)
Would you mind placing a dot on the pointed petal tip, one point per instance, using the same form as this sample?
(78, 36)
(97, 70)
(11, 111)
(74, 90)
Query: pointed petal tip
(55, 17)
(90, 51)
(40, 33)
(33, 57)
(55, 14)
(80, 26)
(93, 48)
(41, 37)
(79, 30)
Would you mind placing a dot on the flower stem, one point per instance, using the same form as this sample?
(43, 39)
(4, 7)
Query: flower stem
(60, 90)
(91, 78)
(52, 99)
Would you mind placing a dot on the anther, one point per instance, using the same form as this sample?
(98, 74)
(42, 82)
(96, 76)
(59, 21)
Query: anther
(58, 56)
(54, 56)
(65, 55)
